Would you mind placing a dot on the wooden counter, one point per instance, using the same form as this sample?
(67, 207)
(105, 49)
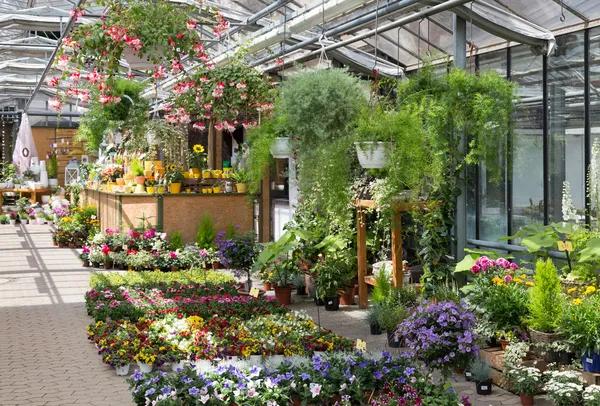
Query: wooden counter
(33, 193)
(169, 213)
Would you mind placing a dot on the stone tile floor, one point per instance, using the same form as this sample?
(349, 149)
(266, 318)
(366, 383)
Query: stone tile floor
(45, 358)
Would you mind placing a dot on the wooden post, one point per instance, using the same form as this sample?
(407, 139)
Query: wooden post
(264, 219)
(397, 274)
(219, 150)
(361, 248)
(212, 150)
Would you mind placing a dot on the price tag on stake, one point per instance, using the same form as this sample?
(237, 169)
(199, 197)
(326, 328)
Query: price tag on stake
(565, 246)
(361, 345)
(254, 292)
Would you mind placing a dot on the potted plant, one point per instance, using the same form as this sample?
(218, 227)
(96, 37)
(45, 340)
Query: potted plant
(525, 382)
(238, 253)
(283, 270)
(299, 281)
(137, 169)
(12, 219)
(579, 324)
(546, 303)
(198, 158)
(242, 179)
(52, 169)
(281, 148)
(391, 314)
(481, 374)
(333, 274)
(564, 388)
(174, 177)
(372, 319)
(150, 182)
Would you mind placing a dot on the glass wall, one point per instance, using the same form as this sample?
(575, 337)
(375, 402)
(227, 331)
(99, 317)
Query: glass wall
(528, 147)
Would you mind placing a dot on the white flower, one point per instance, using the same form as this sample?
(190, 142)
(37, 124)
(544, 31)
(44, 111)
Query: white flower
(315, 389)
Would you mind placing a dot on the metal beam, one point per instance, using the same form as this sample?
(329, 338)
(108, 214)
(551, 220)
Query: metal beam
(571, 10)
(399, 23)
(460, 225)
(67, 29)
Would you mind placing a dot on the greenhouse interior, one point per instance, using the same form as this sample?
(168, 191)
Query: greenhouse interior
(300, 203)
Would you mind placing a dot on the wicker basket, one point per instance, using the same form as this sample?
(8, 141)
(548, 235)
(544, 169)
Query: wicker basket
(540, 337)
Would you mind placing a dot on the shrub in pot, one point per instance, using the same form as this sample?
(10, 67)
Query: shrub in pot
(283, 270)
(579, 323)
(524, 381)
(564, 388)
(390, 316)
(481, 374)
(299, 281)
(332, 275)
(546, 303)
(372, 319)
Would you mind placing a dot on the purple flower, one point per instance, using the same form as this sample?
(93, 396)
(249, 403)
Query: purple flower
(194, 391)
(166, 390)
(137, 376)
(150, 392)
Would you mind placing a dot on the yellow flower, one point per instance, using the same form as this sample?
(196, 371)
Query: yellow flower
(523, 276)
(529, 283)
(589, 290)
(497, 281)
(172, 167)
(198, 148)
(571, 290)
(577, 301)
(518, 280)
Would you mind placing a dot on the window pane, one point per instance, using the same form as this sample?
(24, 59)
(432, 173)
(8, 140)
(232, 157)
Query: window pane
(527, 182)
(566, 115)
(594, 89)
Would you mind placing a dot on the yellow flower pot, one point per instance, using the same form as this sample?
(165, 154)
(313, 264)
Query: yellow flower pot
(188, 190)
(197, 175)
(150, 190)
(159, 172)
(206, 174)
(216, 173)
(242, 187)
(195, 171)
(160, 190)
(209, 190)
(148, 165)
(175, 188)
(158, 165)
(186, 175)
(216, 189)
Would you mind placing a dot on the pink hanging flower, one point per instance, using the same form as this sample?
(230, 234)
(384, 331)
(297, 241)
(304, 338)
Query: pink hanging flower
(133, 43)
(199, 48)
(77, 12)
(63, 63)
(72, 92)
(55, 103)
(84, 96)
(176, 66)
(218, 126)
(159, 72)
(75, 76)
(207, 106)
(53, 82)
(167, 107)
(204, 79)
(191, 25)
(199, 126)
(243, 96)
(69, 44)
(241, 85)
(104, 99)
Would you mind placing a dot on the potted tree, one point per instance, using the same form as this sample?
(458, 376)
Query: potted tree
(238, 252)
(525, 382)
(283, 270)
(332, 275)
(481, 375)
(52, 169)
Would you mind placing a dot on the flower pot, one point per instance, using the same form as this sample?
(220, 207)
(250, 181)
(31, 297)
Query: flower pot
(301, 290)
(504, 344)
(206, 174)
(484, 387)
(150, 190)
(52, 182)
(393, 341)
(54, 243)
(120, 182)
(590, 362)
(107, 265)
(175, 188)
(281, 148)
(242, 187)
(216, 189)
(375, 329)
(13, 222)
(145, 368)
(541, 337)
(86, 263)
(267, 286)
(565, 358)
(319, 302)
(468, 375)
(71, 245)
(283, 294)
(61, 245)
(160, 190)
(527, 400)
(371, 154)
(415, 275)
(122, 371)
(552, 357)
(255, 360)
(347, 297)
(140, 180)
(177, 365)
(332, 303)
(215, 265)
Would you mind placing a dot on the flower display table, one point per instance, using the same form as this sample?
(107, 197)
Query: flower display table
(170, 212)
(33, 193)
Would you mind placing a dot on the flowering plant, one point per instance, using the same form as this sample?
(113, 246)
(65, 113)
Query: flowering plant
(580, 321)
(591, 395)
(238, 252)
(198, 157)
(564, 388)
(441, 334)
(524, 380)
(111, 173)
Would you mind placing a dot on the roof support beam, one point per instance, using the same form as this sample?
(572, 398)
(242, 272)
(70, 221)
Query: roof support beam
(67, 29)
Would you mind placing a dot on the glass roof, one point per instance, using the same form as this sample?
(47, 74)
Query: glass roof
(29, 30)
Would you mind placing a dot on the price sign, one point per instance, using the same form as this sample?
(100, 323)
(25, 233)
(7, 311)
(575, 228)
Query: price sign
(361, 345)
(565, 246)
(254, 292)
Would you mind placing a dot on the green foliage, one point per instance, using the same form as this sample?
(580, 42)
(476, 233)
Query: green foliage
(334, 274)
(546, 299)
(391, 315)
(382, 287)
(480, 370)
(372, 315)
(148, 279)
(260, 140)
(176, 241)
(231, 231)
(581, 324)
(205, 237)
(9, 171)
(114, 116)
(136, 167)
(52, 166)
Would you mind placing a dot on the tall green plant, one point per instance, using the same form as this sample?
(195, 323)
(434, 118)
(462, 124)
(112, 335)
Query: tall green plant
(382, 287)
(52, 166)
(205, 237)
(546, 299)
(177, 241)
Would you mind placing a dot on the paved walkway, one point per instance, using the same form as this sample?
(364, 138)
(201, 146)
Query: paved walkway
(45, 358)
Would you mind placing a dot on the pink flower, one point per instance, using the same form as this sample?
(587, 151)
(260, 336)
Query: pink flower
(104, 99)
(84, 96)
(508, 278)
(55, 103)
(159, 72)
(176, 66)
(514, 266)
(199, 126)
(191, 25)
(133, 43)
(241, 85)
(53, 82)
(475, 269)
(315, 389)
(63, 63)
(75, 76)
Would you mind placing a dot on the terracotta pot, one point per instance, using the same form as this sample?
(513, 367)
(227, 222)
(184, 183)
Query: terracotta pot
(71, 245)
(215, 265)
(527, 400)
(86, 263)
(335, 399)
(283, 294)
(174, 269)
(107, 265)
(504, 344)
(120, 182)
(61, 245)
(54, 243)
(347, 297)
(140, 180)
(267, 286)
(295, 401)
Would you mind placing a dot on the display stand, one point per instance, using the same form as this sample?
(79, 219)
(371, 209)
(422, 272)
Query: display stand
(361, 245)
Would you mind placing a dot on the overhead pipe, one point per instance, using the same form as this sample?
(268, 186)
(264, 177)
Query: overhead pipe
(386, 27)
(67, 29)
(355, 23)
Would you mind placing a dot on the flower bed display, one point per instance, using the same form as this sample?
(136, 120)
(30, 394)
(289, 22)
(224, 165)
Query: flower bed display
(74, 225)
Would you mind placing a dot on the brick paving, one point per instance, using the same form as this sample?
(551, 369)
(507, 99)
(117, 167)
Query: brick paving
(45, 358)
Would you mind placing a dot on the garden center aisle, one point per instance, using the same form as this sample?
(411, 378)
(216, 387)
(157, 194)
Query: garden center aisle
(45, 357)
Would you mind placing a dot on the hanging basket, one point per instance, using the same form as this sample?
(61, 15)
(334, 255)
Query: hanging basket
(371, 155)
(137, 63)
(281, 148)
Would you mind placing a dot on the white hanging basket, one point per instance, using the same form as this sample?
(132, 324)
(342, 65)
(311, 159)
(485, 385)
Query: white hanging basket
(371, 156)
(135, 62)
(281, 148)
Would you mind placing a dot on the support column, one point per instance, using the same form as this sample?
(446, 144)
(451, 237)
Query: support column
(460, 59)
(219, 150)
(397, 274)
(212, 150)
(265, 208)
(361, 250)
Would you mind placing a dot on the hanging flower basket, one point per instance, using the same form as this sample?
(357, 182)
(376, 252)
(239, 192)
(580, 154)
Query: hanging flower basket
(137, 63)
(371, 155)
(281, 148)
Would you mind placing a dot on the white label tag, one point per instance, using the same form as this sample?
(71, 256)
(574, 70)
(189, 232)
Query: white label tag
(484, 388)
(589, 360)
(468, 374)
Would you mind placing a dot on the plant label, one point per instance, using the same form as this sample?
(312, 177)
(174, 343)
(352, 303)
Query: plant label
(484, 388)
(589, 360)
(565, 246)
(254, 292)
(361, 345)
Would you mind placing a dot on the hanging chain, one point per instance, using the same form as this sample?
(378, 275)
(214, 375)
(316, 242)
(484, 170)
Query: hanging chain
(562, 12)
